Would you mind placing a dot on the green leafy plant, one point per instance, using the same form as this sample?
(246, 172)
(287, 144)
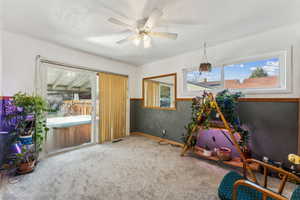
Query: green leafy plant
(203, 113)
(258, 73)
(26, 155)
(228, 103)
(30, 116)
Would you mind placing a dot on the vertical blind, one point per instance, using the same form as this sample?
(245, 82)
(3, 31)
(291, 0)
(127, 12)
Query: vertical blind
(151, 89)
(113, 102)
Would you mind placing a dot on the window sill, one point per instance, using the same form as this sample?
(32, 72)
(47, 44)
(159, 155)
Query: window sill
(244, 91)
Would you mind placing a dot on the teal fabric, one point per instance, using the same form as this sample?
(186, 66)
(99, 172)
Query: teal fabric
(226, 186)
(244, 193)
(296, 194)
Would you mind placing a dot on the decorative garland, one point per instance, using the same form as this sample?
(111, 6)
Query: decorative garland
(228, 103)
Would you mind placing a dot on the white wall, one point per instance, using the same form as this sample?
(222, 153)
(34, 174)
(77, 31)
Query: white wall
(1, 27)
(267, 42)
(19, 54)
(1, 61)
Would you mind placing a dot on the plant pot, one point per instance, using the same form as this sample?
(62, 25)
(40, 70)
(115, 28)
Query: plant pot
(205, 67)
(207, 153)
(26, 140)
(224, 153)
(27, 167)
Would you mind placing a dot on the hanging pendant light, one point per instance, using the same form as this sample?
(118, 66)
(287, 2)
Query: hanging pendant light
(205, 66)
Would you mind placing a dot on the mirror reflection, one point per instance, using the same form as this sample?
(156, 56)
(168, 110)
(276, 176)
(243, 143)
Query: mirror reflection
(160, 91)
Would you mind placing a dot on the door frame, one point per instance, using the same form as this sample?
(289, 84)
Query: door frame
(38, 90)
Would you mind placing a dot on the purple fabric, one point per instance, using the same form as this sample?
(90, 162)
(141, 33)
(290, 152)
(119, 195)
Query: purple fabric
(6, 108)
(205, 138)
(7, 126)
(5, 138)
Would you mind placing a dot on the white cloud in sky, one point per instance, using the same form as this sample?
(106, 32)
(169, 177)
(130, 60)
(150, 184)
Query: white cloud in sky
(271, 67)
(271, 70)
(232, 65)
(273, 63)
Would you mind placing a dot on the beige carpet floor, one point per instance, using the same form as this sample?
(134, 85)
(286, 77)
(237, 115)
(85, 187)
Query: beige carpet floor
(134, 169)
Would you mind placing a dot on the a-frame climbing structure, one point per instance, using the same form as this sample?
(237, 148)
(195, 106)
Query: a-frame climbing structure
(209, 100)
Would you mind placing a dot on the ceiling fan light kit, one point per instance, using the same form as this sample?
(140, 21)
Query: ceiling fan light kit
(147, 41)
(137, 41)
(143, 32)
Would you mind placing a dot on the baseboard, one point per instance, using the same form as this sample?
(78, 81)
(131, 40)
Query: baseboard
(156, 138)
(241, 99)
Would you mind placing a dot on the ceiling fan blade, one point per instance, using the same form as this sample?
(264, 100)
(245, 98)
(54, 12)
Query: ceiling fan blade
(120, 23)
(129, 38)
(182, 24)
(153, 19)
(172, 36)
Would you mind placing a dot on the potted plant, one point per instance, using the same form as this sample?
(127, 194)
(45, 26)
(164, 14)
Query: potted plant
(228, 103)
(26, 160)
(26, 128)
(204, 115)
(28, 117)
(206, 151)
(32, 109)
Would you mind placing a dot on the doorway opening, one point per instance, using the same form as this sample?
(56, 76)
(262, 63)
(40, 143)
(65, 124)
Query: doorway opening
(71, 95)
(87, 106)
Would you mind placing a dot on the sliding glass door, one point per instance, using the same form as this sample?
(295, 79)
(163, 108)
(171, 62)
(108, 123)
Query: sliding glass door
(71, 94)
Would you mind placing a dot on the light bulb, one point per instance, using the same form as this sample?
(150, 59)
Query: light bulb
(137, 41)
(147, 41)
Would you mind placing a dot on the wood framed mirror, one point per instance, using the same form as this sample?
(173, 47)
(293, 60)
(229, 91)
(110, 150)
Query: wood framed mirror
(159, 92)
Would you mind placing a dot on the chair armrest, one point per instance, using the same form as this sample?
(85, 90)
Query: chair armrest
(266, 192)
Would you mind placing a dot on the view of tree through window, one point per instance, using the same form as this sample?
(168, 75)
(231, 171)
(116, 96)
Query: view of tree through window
(257, 74)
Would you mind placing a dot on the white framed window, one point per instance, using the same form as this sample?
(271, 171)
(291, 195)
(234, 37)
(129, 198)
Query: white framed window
(269, 73)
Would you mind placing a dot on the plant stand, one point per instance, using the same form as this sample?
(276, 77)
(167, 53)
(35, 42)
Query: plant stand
(188, 145)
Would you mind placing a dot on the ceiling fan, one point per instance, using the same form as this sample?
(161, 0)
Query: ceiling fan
(143, 32)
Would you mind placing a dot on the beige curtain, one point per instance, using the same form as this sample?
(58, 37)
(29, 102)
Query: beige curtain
(113, 102)
(151, 93)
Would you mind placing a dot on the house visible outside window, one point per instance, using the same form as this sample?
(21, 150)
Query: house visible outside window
(262, 74)
(196, 80)
(252, 75)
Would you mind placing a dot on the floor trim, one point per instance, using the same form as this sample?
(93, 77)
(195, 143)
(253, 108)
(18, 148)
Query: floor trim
(68, 149)
(292, 100)
(156, 138)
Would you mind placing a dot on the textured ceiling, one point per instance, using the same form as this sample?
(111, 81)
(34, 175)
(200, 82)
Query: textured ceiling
(83, 25)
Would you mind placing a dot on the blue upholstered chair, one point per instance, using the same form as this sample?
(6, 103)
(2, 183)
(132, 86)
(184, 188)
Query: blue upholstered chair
(236, 187)
(296, 194)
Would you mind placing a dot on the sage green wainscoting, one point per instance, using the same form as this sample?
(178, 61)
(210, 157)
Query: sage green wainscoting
(273, 125)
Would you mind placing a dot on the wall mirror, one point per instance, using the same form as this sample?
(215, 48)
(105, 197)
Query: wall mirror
(160, 92)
